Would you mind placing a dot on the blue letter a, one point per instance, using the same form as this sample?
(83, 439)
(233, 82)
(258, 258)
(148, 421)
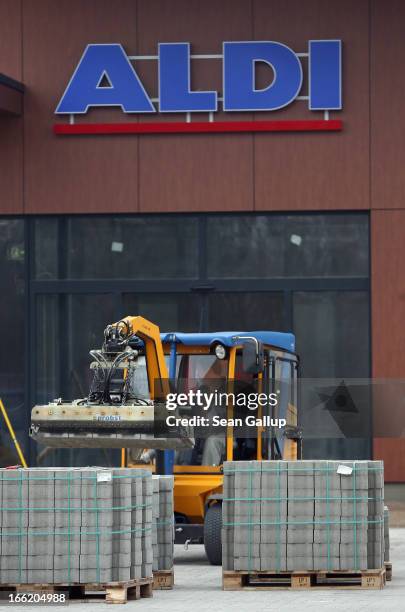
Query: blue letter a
(124, 87)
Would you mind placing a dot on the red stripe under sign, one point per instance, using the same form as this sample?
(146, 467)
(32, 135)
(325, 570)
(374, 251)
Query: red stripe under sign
(197, 127)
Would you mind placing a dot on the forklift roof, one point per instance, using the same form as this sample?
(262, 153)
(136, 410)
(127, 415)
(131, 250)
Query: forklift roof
(278, 339)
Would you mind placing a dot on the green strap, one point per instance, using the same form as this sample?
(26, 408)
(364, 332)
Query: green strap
(69, 530)
(313, 522)
(27, 532)
(355, 521)
(69, 477)
(98, 576)
(250, 520)
(74, 508)
(304, 498)
(278, 554)
(328, 518)
(20, 516)
(163, 522)
(307, 470)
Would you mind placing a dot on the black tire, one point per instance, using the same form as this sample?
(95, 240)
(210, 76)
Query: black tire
(212, 534)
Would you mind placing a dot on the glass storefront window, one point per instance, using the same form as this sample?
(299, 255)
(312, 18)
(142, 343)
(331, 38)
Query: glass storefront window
(208, 272)
(67, 328)
(116, 247)
(171, 311)
(332, 334)
(246, 311)
(46, 258)
(12, 329)
(277, 246)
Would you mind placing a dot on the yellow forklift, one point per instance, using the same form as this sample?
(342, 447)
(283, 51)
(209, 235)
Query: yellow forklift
(134, 371)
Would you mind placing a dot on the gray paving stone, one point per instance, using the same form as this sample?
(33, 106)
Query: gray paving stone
(327, 519)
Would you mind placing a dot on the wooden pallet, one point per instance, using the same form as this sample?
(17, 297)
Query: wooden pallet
(163, 579)
(108, 592)
(388, 570)
(243, 580)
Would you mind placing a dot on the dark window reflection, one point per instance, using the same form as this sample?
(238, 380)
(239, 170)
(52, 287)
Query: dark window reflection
(116, 247)
(68, 327)
(46, 260)
(171, 311)
(271, 246)
(132, 247)
(332, 332)
(246, 312)
(12, 327)
(332, 335)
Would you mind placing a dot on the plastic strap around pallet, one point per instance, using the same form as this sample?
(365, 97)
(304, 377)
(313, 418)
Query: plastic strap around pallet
(278, 555)
(164, 522)
(66, 478)
(26, 532)
(73, 508)
(305, 498)
(355, 524)
(250, 517)
(308, 470)
(313, 522)
(20, 489)
(327, 518)
(95, 492)
(69, 525)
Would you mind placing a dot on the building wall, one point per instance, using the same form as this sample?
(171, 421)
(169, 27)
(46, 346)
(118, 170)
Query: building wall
(360, 168)
(387, 201)
(309, 171)
(11, 143)
(388, 336)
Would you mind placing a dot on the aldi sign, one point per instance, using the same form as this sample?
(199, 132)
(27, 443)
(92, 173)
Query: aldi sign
(106, 77)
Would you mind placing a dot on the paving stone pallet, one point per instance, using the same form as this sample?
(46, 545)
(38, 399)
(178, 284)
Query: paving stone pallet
(303, 515)
(75, 525)
(163, 531)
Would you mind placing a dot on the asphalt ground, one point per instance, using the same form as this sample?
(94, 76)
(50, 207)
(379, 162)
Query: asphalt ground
(198, 588)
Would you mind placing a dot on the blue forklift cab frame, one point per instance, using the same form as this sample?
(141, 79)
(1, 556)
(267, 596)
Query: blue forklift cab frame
(281, 340)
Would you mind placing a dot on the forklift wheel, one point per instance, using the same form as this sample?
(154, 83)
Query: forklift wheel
(212, 534)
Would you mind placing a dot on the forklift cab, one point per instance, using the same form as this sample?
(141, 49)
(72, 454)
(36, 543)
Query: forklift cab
(260, 361)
